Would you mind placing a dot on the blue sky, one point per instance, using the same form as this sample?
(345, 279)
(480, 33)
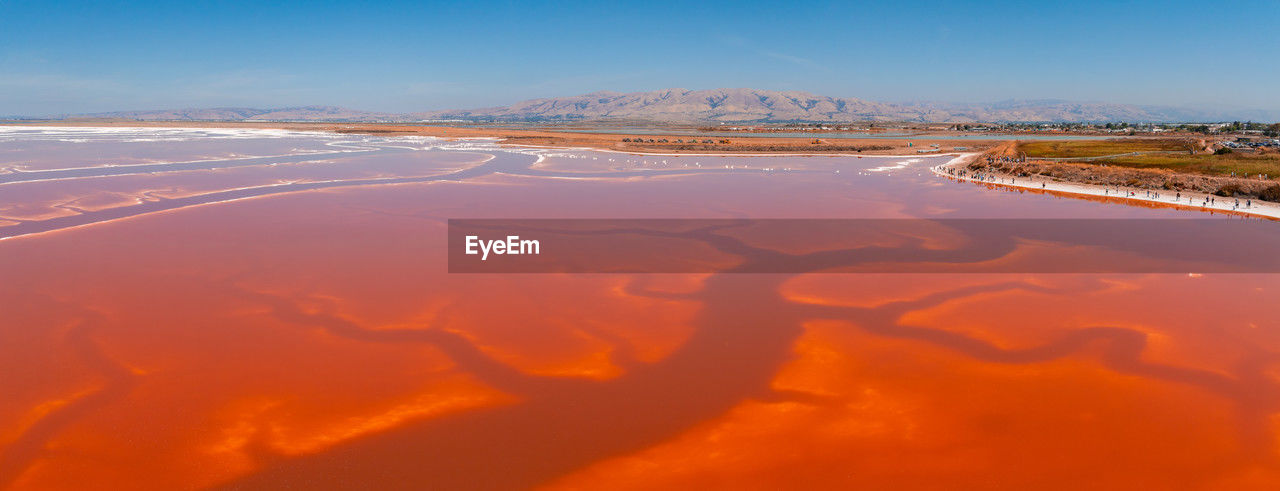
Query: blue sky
(60, 57)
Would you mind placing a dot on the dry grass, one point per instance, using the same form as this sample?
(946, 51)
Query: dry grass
(760, 148)
(1099, 148)
(1242, 164)
(1152, 177)
(1190, 158)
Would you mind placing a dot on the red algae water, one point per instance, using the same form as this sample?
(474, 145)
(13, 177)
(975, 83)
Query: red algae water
(267, 309)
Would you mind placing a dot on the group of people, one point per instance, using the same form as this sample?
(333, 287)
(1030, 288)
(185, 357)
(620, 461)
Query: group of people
(964, 173)
(1006, 160)
(1208, 201)
(1260, 176)
(984, 176)
(976, 176)
(1106, 191)
(1213, 201)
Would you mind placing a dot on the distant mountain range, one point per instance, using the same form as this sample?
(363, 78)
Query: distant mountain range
(724, 105)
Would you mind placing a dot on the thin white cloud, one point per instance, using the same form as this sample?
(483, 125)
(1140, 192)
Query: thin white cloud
(740, 42)
(795, 60)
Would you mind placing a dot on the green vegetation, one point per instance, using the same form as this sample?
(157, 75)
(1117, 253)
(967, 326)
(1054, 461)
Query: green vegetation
(1172, 154)
(1099, 148)
(1147, 163)
(1248, 125)
(1239, 163)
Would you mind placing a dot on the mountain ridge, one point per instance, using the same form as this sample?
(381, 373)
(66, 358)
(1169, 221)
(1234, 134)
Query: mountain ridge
(743, 105)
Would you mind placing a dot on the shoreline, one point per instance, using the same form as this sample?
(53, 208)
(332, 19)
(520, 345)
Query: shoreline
(734, 154)
(604, 140)
(1190, 201)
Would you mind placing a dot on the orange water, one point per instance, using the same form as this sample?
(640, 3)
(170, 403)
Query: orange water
(314, 339)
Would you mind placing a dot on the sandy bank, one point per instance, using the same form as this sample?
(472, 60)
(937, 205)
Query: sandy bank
(957, 169)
